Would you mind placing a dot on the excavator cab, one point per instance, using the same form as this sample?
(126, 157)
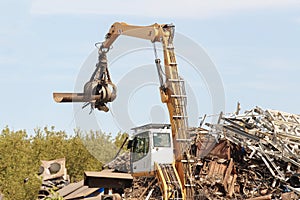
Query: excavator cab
(151, 143)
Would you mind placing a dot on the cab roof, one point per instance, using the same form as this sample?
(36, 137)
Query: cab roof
(152, 126)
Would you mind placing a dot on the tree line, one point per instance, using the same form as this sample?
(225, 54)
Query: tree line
(21, 153)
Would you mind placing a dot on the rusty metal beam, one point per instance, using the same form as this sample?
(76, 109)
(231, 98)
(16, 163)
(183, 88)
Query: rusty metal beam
(74, 97)
(107, 179)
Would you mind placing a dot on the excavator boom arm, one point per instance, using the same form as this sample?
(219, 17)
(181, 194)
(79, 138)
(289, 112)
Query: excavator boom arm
(97, 91)
(152, 33)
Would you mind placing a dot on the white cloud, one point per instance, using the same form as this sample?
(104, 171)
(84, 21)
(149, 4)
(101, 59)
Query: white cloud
(155, 8)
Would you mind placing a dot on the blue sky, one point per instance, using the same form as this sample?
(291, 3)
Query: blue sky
(43, 44)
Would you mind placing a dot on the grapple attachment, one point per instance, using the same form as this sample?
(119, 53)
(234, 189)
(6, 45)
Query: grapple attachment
(98, 91)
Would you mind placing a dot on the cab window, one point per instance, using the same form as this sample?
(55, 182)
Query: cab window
(140, 146)
(161, 140)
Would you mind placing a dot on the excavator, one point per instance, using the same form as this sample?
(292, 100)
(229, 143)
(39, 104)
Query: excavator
(172, 163)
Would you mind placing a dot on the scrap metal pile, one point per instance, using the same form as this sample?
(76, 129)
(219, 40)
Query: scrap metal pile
(121, 163)
(252, 156)
(143, 188)
(257, 157)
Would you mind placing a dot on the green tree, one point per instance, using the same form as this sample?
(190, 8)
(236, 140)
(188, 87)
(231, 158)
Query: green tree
(18, 169)
(100, 145)
(79, 159)
(49, 144)
(119, 140)
(20, 157)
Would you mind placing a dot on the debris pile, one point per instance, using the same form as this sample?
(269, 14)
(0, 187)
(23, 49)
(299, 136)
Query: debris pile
(143, 187)
(121, 163)
(256, 157)
(253, 156)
